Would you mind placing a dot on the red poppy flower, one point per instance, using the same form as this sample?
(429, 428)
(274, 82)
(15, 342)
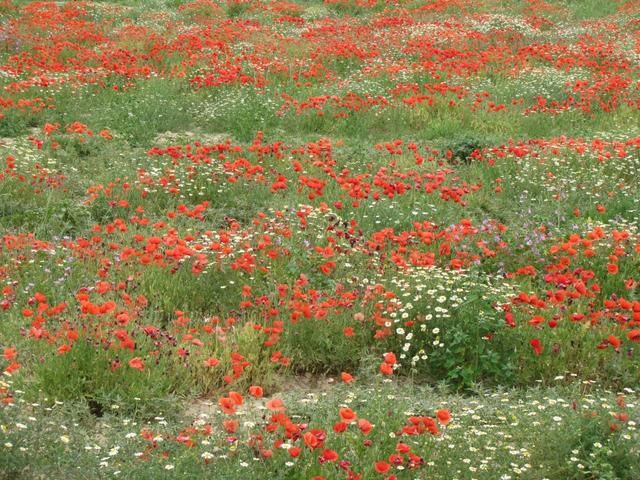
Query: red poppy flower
(256, 391)
(634, 335)
(390, 358)
(365, 426)
(211, 362)
(339, 427)
(136, 363)
(330, 455)
(347, 415)
(614, 342)
(228, 405)
(310, 440)
(386, 369)
(346, 377)
(535, 344)
(295, 451)
(275, 405)
(236, 397)
(444, 417)
(382, 467)
(230, 426)
(10, 353)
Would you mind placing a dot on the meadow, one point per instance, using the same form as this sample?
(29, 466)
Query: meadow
(320, 239)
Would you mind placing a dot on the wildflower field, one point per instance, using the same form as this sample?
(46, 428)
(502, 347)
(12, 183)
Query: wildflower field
(320, 239)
